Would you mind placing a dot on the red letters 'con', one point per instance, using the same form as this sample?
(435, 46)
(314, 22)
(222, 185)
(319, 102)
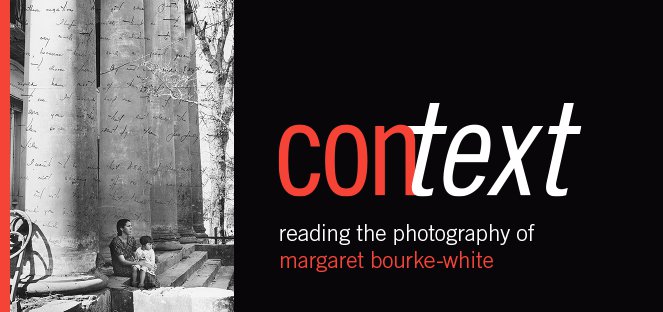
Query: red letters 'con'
(362, 159)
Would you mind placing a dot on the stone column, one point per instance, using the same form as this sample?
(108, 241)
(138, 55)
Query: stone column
(163, 192)
(208, 92)
(60, 146)
(194, 129)
(181, 135)
(123, 147)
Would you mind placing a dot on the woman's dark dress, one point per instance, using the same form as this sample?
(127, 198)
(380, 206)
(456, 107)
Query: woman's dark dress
(119, 248)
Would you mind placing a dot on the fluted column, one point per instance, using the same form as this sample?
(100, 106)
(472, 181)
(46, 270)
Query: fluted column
(194, 129)
(125, 181)
(181, 134)
(60, 146)
(163, 191)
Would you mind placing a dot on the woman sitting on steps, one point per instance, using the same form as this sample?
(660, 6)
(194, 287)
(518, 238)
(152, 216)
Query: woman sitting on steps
(122, 248)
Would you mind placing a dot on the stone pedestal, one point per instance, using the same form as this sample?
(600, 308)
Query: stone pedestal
(124, 121)
(181, 134)
(60, 145)
(163, 191)
(184, 299)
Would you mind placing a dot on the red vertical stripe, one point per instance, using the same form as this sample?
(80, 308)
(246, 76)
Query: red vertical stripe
(4, 135)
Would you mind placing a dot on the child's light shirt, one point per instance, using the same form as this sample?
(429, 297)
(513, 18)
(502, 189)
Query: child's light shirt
(147, 256)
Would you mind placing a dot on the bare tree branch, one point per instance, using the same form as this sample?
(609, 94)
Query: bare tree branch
(205, 45)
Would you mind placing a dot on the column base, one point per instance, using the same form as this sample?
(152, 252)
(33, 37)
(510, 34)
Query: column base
(74, 284)
(167, 245)
(201, 235)
(199, 228)
(201, 238)
(188, 240)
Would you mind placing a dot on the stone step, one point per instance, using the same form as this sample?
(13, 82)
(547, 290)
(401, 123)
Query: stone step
(224, 252)
(223, 277)
(178, 274)
(167, 259)
(60, 306)
(204, 276)
(98, 301)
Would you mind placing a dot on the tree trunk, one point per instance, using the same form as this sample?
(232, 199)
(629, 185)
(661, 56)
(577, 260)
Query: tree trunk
(227, 109)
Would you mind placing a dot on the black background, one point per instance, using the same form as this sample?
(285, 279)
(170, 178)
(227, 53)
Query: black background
(340, 63)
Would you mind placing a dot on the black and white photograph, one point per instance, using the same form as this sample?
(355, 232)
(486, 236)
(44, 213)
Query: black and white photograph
(122, 155)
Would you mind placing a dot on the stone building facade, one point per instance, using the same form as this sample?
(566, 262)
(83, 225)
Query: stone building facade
(93, 138)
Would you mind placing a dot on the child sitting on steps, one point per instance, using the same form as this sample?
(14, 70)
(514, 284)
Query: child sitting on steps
(146, 253)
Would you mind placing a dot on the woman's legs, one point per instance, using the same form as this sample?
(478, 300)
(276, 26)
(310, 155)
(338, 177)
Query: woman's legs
(134, 272)
(142, 278)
